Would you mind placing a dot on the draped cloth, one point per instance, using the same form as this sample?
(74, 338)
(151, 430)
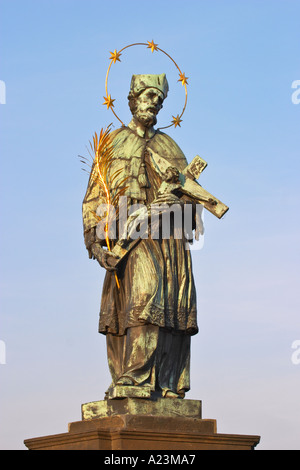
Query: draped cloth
(156, 281)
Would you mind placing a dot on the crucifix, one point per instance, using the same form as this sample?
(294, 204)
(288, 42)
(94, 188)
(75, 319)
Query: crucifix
(188, 185)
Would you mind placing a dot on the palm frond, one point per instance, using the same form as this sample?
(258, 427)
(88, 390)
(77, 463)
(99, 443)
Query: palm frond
(112, 186)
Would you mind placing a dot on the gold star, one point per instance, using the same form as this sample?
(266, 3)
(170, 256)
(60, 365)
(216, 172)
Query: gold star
(108, 101)
(177, 120)
(152, 46)
(183, 79)
(114, 56)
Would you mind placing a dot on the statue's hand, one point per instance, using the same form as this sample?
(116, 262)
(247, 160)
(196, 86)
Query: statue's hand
(105, 258)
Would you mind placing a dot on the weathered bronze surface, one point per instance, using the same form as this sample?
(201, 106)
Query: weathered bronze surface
(138, 406)
(148, 309)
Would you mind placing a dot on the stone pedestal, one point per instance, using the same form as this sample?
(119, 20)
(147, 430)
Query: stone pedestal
(141, 424)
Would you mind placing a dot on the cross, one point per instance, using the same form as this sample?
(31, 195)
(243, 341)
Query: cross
(190, 186)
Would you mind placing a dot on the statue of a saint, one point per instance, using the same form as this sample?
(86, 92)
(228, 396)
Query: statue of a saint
(149, 318)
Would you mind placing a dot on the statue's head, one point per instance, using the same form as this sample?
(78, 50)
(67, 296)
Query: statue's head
(146, 96)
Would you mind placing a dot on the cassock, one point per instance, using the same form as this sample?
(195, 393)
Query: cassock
(149, 319)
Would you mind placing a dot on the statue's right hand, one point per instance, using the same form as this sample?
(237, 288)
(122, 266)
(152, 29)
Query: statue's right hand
(105, 258)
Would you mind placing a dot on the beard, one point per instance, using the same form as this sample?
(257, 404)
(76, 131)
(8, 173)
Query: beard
(147, 118)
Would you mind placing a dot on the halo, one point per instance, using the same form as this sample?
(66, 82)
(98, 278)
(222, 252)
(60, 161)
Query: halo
(115, 57)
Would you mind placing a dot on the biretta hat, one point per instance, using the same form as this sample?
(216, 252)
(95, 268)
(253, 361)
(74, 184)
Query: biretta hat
(139, 83)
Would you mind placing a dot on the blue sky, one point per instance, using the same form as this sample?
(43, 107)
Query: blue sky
(241, 58)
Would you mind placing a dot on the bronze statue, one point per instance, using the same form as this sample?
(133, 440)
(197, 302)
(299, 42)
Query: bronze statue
(148, 309)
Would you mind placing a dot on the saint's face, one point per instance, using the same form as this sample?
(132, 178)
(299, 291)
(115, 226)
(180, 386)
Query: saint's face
(149, 103)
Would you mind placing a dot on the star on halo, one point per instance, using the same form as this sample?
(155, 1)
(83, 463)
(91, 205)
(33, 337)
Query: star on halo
(177, 120)
(152, 46)
(183, 79)
(108, 101)
(114, 56)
